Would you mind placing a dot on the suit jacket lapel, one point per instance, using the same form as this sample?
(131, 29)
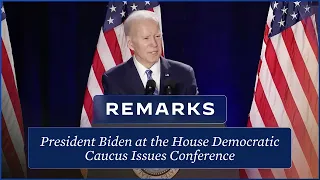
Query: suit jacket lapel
(165, 74)
(134, 80)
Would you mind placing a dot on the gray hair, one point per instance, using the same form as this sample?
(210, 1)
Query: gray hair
(138, 15)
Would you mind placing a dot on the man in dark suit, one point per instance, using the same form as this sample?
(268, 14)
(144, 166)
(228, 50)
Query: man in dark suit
(144, 37)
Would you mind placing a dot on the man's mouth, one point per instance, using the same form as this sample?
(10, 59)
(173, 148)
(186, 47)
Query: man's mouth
(154, 52)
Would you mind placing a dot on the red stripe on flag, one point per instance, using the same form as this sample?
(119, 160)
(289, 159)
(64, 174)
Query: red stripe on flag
(8, 78)
(243, 174)
(88, 104)
(10, 153)
(309, 29)
(265, 35)
(113, 45)
(290, 107)
(264, 108)
(98, 69)
(301, 71)
(292, 172)
(249, 124)
(266, 173)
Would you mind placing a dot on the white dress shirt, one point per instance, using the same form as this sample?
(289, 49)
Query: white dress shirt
(142, 72)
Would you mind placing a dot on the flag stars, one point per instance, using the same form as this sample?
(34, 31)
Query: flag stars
(113, 8)
(123, 13)
(110, 20)
(147, 2)
(297, 3)
(275, 5)
(281, 23)
(134, 7)
(285, 15)
(294, 15)
(307, 8)
(284, 10)
(125, 2)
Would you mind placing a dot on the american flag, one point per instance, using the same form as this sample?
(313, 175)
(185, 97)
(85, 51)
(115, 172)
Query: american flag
(111, 50)
(13, 155)
(287, 86)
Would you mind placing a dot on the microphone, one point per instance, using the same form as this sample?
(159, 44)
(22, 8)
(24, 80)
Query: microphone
(150, 87)
(169, 88)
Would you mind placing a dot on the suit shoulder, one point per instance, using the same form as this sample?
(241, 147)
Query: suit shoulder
(179, 65)
(115, 71)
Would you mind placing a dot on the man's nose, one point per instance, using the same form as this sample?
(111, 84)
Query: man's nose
(153, 42)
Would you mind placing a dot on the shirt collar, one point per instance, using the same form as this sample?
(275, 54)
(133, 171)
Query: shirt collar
(142, 70)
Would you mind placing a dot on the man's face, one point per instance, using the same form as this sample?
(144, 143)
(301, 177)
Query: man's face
(145, 40)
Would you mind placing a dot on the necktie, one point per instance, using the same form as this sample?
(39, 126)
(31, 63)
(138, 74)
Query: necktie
(149, 77)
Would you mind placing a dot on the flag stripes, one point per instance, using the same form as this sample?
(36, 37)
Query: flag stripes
(113, 45)
(310, 27)
(286, 93)
(9, 81)
(310, 59)
(299, 65)
(14, 159)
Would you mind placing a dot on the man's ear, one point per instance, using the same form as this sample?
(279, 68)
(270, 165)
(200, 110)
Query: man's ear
(129, 42)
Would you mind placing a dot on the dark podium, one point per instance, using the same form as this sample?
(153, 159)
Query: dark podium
(181, 173)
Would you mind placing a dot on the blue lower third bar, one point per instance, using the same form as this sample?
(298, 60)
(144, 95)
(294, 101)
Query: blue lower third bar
(159, 148)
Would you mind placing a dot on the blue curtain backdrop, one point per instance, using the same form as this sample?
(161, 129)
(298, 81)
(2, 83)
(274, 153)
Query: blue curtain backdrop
(53, 46)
